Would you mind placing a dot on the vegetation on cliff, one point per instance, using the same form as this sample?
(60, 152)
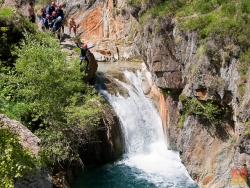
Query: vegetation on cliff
(15, 161)
(211, 18)
(222, 25)
(11, 28)
(204, 109)
(44, 91)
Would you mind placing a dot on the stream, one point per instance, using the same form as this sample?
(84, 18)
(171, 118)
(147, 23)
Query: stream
(147, 162)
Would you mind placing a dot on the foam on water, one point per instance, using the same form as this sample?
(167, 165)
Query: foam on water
(146, 149)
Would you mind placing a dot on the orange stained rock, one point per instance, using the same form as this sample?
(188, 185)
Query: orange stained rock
(207, 179)
(239, 177)
(244, 172)
(104, 52)
(163, 110)
(202, 93)
(92, 26)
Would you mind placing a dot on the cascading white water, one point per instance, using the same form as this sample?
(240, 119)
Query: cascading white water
(146, 150)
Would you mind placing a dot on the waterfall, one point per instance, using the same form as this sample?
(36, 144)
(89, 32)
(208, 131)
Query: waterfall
(146, 151)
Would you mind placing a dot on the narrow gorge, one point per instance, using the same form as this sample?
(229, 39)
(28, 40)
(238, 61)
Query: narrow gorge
(146, 162)
(177, 92)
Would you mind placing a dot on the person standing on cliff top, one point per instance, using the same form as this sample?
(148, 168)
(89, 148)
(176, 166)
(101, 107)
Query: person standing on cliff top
(59, 12)
(31, 12)
(46, 22)
(43, 15)
(72, 24)
(51, 8)
(57, 26)
(53, 19)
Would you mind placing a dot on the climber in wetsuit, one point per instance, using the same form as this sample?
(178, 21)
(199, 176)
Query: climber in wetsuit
(84, 50)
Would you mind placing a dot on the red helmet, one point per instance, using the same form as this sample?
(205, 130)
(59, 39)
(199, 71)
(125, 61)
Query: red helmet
(59, 6)
(85, 46)
(53, 3)
(47, 16)
(54, 13)
(43, 9)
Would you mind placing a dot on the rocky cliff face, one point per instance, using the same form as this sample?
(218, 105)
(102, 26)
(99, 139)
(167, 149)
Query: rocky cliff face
(29, 141)
(106, 145)
(180, 66)
(109, 144)
(107, 148)
(105, 24)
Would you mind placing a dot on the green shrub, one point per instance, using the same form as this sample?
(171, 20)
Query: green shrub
(77, 50)
(123, 11)
(6, 12)
(201, 50)
(247, 127)
(161, 9)
(181, 121)
(228, 9)
(207, 110)
(44, 2)
(115, 12)
(245, 6)
(233, 140)
(15, 161)
(213, 113)
(205, 6)
(18, 111)
(11, 32)
(64, 4)
(182, 97)
(244, 65)
(55, 96)
(241, 91)
(135, 2)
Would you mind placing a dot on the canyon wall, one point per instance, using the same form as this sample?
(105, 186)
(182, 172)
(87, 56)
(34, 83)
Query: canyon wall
(105, 24)
(29, 141)
(180, 66)
(107, 147)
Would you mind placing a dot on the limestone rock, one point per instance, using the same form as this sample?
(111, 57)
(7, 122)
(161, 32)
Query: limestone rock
(178, 64)
(206, 151)
(110, 141)
(107, 25)
(92, 67)
(109, 84)
(29, 141)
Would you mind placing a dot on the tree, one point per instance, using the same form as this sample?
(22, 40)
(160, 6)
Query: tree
(64, 107)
